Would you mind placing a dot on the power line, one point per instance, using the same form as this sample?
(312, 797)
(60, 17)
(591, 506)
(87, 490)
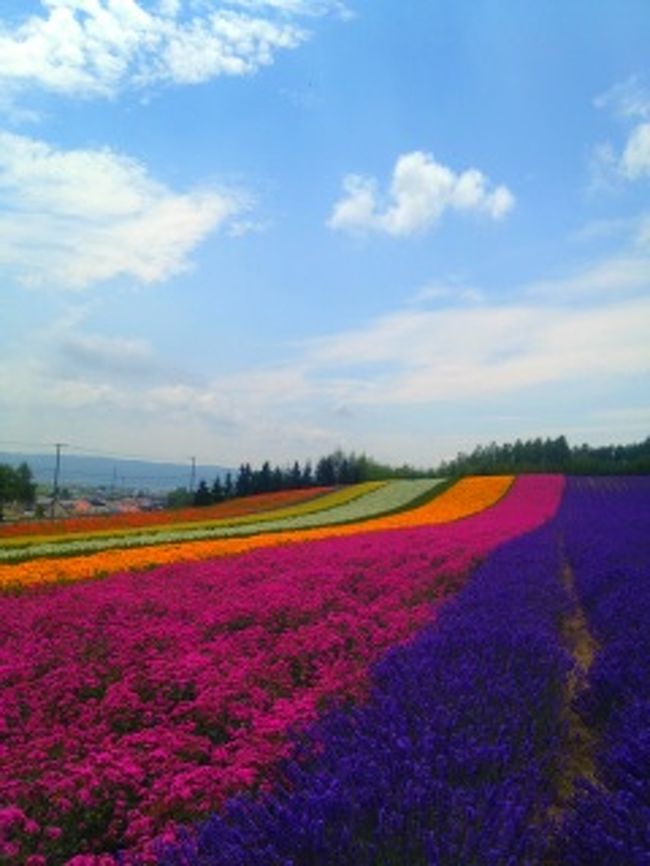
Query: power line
(85, 449)
(98, 452)
(19, 444)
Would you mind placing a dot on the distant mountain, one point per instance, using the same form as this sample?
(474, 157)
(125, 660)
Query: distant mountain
(114, 473)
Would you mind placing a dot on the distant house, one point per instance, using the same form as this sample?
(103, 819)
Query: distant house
(81, 507)
(126, 506)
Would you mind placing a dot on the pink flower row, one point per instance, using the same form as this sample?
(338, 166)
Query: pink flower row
(133, 703)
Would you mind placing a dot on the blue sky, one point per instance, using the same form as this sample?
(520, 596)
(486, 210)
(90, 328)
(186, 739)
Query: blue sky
(268, 228)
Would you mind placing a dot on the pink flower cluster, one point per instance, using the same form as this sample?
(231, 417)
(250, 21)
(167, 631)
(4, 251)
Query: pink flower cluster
(131, 704)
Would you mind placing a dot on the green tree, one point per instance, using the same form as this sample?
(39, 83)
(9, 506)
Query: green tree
(244, 483)
(202, 496)
(178, 498)
(7, 487)
(217, 490)
(265, 482)
(307, 479)
(25, 485)
(325, 472)
(295, 476)
(16, 485)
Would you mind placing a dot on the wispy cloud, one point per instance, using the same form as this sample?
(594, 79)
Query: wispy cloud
(411, 359)
(73, 218)
(107, 355)
(624, 273)
(617, 276)
(630, 101)
(421, 191)
(459, 358)
(446, 293)
(635, 159)
(460, 355)
(100, 47)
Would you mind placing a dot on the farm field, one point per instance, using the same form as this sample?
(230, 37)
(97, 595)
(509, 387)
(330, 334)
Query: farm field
(406, 673)
(235, 508)
(354, 503)
(39, 564)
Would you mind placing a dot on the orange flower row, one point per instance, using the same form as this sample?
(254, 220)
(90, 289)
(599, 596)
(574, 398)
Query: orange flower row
(467, 497)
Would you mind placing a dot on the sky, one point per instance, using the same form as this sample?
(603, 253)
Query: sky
(266, 229)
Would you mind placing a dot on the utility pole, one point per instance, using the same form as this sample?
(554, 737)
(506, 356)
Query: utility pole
(57, 470)
(192, 474)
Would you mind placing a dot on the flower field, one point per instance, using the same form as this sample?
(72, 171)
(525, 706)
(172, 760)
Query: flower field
(361, 502)
(462, 681)
(465, 498)
(237, 512)
(224, 510)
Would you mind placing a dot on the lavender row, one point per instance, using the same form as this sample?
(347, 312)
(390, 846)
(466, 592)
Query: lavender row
(606, 525)
(451, 761)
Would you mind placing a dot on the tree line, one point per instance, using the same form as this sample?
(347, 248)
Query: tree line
(333, 470)
(339, 468)
(16, 486)
(550, 455)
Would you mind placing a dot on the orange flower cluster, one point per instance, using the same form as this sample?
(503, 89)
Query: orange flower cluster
(232, 508)
(467, 497)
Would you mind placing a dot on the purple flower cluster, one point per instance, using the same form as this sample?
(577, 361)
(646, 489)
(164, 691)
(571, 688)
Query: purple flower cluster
(606, 526)
(452, 759)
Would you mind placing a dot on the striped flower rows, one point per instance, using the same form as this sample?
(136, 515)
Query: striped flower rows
(244, 711)
(251, 522)
(463, 499)
(137, 702)
(123, 522)
(358, 503)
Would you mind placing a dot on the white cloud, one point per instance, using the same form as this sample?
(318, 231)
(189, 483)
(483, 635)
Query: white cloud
(643, 233)
(605, 229)
(79, 394)
(421, 190)
(563, 353)
(447, 292)
(630, 100)
(463, 354)
(123, 356)
(99, 47)
(77, 217)
(617, 276)
(635, 160)
(170, 420)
